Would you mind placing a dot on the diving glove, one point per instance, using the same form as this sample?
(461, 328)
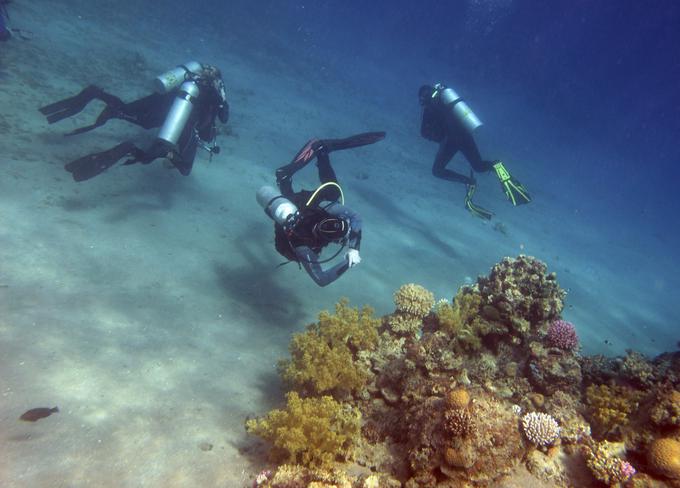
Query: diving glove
(513, 189)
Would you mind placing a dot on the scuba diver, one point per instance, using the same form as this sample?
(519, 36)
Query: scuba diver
(305, 222)
(448, 120)
(186, 101)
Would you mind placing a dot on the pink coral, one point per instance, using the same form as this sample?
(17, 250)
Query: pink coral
(562, 334)
(627, 470)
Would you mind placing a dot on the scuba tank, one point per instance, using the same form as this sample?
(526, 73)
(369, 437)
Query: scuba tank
(171, 79)
(179, 112)
(461, 110)
(279, 208)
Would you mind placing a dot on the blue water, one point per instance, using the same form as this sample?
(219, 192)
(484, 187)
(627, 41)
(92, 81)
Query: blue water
(149, 307)
(580, 98)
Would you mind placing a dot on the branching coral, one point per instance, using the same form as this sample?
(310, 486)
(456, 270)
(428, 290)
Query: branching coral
(540, 428)
(666, 411)
(402, 324)
(605, 465)
(413, 300)
(310, 431)
(636, 368)
(562, 334)
(609, 407)
(324, 358)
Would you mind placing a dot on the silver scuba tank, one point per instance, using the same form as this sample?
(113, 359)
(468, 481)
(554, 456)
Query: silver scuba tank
(461, 109)
(279, 208)
(171, 79)
(179, 112)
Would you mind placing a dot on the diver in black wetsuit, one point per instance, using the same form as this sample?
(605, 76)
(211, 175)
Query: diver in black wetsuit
(448, 120)
(188, 100)
(307, 221)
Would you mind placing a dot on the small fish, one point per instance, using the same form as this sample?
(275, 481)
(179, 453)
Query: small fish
(38, 413)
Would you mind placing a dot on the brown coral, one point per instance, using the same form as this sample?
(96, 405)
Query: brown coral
(403, 324)
(414, 300)
(666, 411)
(610, 407)
(663, 456)
(458, 398)
(521, 287)
(458, 422)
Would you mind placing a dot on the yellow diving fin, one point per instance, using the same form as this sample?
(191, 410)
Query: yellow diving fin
(475, 210)
(513, 189)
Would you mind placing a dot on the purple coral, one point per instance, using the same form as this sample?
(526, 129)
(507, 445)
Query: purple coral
(627, 470)
(562, 334)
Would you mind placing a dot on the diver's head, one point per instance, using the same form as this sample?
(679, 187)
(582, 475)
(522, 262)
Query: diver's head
(331, 229)
(425, 94)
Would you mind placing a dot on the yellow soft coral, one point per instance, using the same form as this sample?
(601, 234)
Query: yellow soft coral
(324, 358)
(611, 406)
(310, 431)
(663, 456)
(414, 300)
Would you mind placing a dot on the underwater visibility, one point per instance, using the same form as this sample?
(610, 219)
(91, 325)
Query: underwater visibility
(282, 244)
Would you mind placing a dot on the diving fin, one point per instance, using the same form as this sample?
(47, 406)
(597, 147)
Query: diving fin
(513, 189)
(474, 209)
(69, 106)
(94, 164)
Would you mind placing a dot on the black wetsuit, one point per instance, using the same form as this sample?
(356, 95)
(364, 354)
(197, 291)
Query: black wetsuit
(149, 113)
(302, 244)
(439, 124)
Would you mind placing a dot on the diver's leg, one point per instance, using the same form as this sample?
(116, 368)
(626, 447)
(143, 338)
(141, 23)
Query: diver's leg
(93, 164)
(70, 106)
(327, 175)
(447, 150)
(352, 141)
(469, 148)
(148, 112)
(284, 174)
(326, 172)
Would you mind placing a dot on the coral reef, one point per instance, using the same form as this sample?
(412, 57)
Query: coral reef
(562, 334)
(605, 465)
(521, 288)
(311, 431)
(469, 392)
(413, 300)
(663, 456)
(323, 359)
(609, 407)
(540, 428)
(666, 410)
(296, 476)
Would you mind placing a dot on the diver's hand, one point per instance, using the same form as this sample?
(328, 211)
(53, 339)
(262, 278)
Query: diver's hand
(353, 257)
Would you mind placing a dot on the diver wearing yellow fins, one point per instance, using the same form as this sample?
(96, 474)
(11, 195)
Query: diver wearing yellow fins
(305, 222)
(448, 120)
